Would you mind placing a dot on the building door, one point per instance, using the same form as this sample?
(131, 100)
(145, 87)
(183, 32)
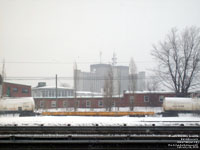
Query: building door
(8, 92)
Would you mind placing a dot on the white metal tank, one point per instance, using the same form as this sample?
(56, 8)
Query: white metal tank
(181, 104)
(14, 104)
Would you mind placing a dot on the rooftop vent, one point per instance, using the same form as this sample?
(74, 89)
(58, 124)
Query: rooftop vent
(41, 84)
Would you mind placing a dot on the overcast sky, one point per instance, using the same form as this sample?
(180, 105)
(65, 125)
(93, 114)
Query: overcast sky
(45, 37)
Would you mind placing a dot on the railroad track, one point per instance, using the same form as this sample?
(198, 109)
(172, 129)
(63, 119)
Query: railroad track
(100, 129)
(99, 137)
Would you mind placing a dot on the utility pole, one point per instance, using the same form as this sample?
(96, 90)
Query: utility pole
(3, 76)
(56, 87)
(1, 86)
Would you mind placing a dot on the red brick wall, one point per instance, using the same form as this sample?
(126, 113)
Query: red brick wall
(119, 102)
(153, 99)
(16, 90)
(70, 102)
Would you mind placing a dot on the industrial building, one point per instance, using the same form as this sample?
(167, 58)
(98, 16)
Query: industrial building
(94, 80)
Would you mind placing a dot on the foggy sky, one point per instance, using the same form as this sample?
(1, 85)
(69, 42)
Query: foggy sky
(45, 37)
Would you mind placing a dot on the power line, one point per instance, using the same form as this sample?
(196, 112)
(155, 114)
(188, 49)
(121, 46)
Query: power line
(79, 78)
(49, 62)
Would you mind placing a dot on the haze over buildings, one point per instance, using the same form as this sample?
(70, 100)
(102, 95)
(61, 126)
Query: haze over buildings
(39, 39)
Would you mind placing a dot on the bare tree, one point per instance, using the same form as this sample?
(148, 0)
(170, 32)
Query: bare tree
(153, 84)
(132, 76)
(108, 90)
(119, 87)
(75, 86)
(178, 59)
(92, 82)
(132, 80)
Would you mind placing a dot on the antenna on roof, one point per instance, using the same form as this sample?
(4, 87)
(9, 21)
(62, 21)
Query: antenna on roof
(100, 55)
(114, 59)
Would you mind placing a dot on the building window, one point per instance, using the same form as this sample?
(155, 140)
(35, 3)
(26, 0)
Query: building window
(146, 98)
(113, 104)
(64, 104)
(41, 104)
(88, 103)
(15, 89)
(71, 93)
(37, 94)
(45, 93)
(58, 93)
(161, 98)
(50, 93)
(54, 93)
(100, 103)
(53, 104)
(131, 99)
(24, 90)
(63, 93)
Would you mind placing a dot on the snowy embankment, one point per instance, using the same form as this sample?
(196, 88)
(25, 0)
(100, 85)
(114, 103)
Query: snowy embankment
(100, 121)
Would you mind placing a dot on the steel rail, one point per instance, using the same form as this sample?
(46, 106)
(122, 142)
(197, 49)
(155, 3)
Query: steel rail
(98, 129)
(96, 135)
(84, 141)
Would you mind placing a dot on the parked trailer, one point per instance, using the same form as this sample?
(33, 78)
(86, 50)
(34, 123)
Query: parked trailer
(24, 106)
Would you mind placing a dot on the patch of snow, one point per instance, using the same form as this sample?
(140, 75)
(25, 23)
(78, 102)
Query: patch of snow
(101, 121)
(147, 92)
(52, 87)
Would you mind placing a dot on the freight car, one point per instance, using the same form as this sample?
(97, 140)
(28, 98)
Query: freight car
(172, 106)
(23, 106)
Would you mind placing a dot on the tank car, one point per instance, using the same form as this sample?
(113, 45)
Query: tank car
(24, 106)
(172, 106)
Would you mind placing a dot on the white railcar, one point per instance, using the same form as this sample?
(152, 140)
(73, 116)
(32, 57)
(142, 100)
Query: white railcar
(176, 105)
(22, 105)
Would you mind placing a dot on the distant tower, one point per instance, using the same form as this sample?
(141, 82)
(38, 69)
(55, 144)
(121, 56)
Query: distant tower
(114, 59)
(4, 70)
(100, 56)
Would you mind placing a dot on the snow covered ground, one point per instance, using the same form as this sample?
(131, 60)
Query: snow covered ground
(114, 109)
(101, 121)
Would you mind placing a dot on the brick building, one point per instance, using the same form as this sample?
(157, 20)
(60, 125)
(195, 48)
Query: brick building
(86, 102)
(138, 99)
(16, 90)
(147, 98)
